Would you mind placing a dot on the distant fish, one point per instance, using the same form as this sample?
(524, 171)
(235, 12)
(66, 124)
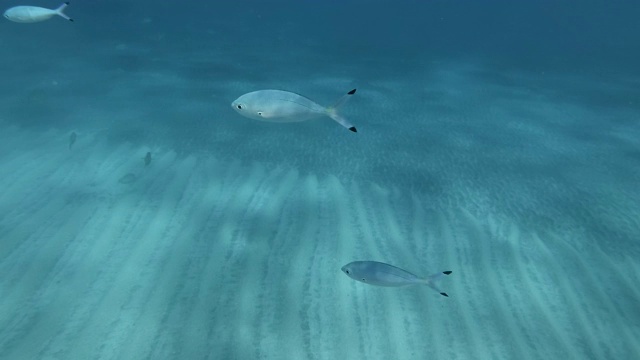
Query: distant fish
(31, 14)
(128, 179)
(283, 106)
(381, 274)
(147, 159)
(72, 139)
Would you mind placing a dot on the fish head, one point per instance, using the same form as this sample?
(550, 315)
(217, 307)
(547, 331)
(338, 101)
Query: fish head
(356, 271)
(239, 106)
(248, 108)
(347, 270)
(352, 271)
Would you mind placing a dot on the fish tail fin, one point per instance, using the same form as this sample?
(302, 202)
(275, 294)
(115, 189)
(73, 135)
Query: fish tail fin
(333, 111)
(432, 281)
(60, 11)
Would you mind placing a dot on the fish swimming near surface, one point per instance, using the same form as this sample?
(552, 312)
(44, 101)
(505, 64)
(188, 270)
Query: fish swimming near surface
(31, 14)
(147, 159)
(381, 274)
(284, 107)
(72, 139)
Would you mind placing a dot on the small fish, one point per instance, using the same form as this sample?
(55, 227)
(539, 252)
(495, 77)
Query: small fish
(381, 274)
(72, 139)
(147, 159)
(128, 179)
(283, 106)
(31, 14)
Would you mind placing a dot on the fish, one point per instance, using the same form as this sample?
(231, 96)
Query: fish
(381, 274)
(147, 159)
(128, 179)
(284, 107)
(31, 14)
(72, 139)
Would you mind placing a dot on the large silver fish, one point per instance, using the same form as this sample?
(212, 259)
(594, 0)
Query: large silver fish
(381, 274)
(284, 106)
(31, 14)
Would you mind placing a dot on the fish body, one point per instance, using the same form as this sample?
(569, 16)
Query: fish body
(382, 274)
(72, 139)
(147, 159)
(286, 107)
(31, 14)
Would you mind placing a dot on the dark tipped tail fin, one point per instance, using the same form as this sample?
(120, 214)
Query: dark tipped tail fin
(343, 100)
(60, 11)
(333, 111)
(432, 280)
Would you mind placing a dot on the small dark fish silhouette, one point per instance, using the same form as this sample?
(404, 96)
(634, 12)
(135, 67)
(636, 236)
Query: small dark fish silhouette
(128, 178)
(147, 159)
(72, 139)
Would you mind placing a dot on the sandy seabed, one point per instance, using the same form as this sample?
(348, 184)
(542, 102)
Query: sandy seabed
(200, 257)
(229, 244)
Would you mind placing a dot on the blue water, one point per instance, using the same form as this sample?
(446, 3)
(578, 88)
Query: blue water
(496, 139)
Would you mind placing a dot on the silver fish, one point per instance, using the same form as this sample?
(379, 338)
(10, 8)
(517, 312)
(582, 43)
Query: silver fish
(31, 14)
(284, 106)
(381, 274)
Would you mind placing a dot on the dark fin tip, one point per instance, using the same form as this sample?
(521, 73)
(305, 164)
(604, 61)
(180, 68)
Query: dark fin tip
(71, 20)
(444, 294)
(352, 92)
(67, 2)
(353, 128)
(447, 272)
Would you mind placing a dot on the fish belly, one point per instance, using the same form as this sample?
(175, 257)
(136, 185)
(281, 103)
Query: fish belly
(29, 14)
(382, 274)
(390, 279)
(291, 110)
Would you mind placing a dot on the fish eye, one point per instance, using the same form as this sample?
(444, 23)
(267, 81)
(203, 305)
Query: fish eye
(239, 107)
(347, 272)
(363, 279)
(259, 113)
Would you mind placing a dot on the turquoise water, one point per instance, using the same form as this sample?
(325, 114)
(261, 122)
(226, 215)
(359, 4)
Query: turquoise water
(499, 141)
